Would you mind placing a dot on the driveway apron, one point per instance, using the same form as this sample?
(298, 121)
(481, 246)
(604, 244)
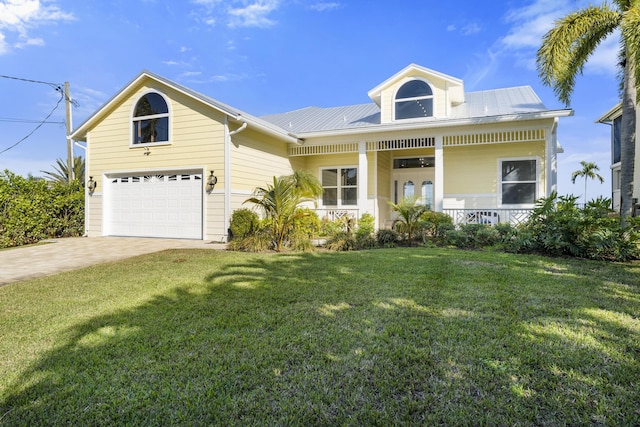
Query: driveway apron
(58, 255)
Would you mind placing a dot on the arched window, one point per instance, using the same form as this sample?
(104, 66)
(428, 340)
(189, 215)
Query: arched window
(151, 120)
(407, 189)
(427, 193)
(414, 99)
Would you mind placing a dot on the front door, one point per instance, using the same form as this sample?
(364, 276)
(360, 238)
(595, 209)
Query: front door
(414, 183)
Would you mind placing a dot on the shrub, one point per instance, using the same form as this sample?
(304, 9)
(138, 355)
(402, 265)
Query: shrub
(341, 241)
(434, 227)
(33, 209)
(558, 227)
(258, 241)
(387, 238)
(243, 223)
(306, 223)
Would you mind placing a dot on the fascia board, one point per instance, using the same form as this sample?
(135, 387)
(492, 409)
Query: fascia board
(609, 115)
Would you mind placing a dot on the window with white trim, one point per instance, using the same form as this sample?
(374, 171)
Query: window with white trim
(151, 120)
(519, 181)
(339, 186)
(413, 100)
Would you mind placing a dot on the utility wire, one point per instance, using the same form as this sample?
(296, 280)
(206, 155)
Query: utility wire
(40, 124)
(12, 120)
(56, 86)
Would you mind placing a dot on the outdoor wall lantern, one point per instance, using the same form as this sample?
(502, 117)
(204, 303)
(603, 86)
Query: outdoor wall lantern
(91, 185)
(212, 180)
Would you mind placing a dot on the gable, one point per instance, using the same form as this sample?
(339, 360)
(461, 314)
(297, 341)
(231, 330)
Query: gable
(442, 93)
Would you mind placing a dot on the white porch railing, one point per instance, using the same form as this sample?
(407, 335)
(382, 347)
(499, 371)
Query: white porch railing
(338, 213)
(488, 216)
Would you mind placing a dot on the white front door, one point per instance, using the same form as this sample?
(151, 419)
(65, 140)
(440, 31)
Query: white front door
(413, 183)
(167, 205)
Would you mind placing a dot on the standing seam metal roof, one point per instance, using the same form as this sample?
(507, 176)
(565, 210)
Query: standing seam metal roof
(496, 102)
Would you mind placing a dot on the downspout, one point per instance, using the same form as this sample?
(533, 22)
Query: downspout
(86, 192)
(227, 171)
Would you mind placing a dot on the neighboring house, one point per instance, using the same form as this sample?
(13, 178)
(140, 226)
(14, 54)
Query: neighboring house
(154, 148)
(613, 118)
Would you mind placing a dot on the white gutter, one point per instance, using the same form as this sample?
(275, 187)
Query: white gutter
(266, 128)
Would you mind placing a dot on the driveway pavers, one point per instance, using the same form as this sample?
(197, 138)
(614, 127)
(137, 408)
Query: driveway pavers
(59, 255)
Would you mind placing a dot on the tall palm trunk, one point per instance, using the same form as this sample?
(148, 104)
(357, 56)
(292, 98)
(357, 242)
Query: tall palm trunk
(627, 139)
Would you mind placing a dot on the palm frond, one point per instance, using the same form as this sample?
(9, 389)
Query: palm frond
(567, 46)
(631, 37)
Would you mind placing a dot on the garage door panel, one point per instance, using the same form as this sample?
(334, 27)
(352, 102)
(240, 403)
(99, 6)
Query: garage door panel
(157, 205)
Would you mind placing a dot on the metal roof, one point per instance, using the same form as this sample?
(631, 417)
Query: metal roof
(487, 103)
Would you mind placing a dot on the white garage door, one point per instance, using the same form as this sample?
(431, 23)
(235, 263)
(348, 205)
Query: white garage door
(156, 205)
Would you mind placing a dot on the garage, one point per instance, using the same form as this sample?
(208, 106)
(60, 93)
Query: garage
(166, 205)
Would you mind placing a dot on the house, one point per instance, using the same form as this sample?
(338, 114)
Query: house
(613, 118)
(167, 161)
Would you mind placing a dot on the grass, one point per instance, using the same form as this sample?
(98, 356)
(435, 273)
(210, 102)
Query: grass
(399, 336)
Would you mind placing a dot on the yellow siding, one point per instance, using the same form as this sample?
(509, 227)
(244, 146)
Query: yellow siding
(215, 229)
(439, 97)
(94, 215)
(474, 170)
(371, 173)
(196, 134)
(256, 159)
(384, 174)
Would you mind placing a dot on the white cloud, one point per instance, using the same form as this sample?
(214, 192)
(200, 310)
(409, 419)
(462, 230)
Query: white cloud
(470, 29)
(253, 15)
(325, 6)
(451, 27)
(22, 16)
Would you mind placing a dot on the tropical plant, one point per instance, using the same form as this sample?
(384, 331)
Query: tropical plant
(409, 213)
(32, 209)
(279, 203)
(566, 48)
(61, 171)
(589, 170)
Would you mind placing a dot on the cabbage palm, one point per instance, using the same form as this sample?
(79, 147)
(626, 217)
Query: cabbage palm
(280, 200)
(566, 48)
(61, 171)
(589, 170)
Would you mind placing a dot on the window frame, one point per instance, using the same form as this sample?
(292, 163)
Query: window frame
(339, 187)
(416, 98)
(133, 119)
(537, 181)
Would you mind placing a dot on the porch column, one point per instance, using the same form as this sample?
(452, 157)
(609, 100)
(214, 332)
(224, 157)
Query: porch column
(438, 185)
(363, 175)
(551, 160)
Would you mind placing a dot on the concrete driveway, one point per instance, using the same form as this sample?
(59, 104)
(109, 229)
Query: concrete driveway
(66, 254)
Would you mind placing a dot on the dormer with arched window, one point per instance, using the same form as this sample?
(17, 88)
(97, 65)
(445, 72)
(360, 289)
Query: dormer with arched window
(414, 99)
(151, 120)
(417, 93)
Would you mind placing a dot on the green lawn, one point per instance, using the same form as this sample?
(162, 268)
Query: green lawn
(382, 337)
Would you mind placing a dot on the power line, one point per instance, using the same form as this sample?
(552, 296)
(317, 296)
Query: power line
(12, 120)
(39, 125)
(56, 86)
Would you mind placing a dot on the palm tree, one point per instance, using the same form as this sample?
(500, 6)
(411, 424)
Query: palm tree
(589, 170)
(279, 202)
(61, 171)
(566, 48)
(409, 212)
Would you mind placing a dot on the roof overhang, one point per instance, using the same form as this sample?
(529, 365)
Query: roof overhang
(614, 112)
(443, 123)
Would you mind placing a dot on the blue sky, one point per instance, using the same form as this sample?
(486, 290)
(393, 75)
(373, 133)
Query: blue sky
(272, 56)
